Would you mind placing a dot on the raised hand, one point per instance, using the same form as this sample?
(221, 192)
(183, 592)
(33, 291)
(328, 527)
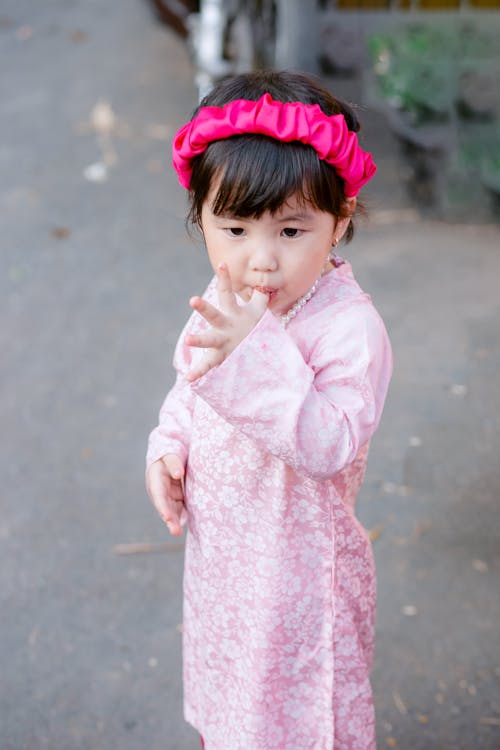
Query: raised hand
(230, 324)
(165, 483)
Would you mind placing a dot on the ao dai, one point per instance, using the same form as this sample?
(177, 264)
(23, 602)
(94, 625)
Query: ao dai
(279, 582)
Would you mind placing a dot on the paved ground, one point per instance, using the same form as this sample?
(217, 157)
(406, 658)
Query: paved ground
(94, 287)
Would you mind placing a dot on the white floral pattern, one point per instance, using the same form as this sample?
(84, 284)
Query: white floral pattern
(279, 582)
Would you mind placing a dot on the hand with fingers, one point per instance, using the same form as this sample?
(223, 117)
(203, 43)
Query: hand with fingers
(229, 325)
(165, 484)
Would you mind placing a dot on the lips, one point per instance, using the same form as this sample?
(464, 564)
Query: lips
(266, 289)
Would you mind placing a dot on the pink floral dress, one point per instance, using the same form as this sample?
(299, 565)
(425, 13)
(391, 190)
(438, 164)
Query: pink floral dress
(279, 582)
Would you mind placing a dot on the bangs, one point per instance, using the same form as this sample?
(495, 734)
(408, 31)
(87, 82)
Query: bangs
(255, 174)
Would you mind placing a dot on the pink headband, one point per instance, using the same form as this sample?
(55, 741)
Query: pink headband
(306, 123)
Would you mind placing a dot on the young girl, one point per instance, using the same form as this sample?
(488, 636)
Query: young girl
(283, 369)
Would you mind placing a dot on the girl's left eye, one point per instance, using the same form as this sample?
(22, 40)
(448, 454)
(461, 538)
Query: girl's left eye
(291, 232)
(235, 231)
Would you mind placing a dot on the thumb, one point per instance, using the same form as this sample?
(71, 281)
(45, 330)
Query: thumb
(258, 302)
(175, 466)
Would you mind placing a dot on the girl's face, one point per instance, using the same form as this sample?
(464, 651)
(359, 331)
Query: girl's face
(281, 254)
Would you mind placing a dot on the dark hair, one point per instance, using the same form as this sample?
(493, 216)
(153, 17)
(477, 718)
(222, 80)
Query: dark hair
(258, 173)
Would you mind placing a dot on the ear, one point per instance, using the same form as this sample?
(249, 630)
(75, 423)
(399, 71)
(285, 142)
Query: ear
(343, 221)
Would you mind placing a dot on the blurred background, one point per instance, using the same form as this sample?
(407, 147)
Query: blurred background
(97, 269)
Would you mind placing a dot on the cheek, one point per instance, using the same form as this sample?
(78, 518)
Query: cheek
(309, 261)
(215, 248)
(236, 266)
(218, 253)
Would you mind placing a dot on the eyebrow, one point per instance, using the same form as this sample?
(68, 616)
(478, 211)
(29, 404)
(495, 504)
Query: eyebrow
(282, 219)
(226, 215)
(295, 217)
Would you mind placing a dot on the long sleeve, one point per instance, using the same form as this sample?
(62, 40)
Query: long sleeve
(174, 428)
(314, 415)
(173, 433)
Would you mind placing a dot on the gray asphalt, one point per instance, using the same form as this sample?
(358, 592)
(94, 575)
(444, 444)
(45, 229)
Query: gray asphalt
(94, 288)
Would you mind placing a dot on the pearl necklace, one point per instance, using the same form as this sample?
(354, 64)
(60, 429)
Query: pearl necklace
(297, 307)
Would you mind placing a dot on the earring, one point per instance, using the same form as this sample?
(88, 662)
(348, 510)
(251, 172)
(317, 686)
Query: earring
(332, 256)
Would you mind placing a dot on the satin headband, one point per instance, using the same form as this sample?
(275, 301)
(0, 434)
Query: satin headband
(307, 123)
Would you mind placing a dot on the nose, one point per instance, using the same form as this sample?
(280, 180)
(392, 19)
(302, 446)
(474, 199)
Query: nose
(263, 257)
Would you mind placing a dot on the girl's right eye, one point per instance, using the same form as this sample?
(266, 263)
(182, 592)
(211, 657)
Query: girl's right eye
(235, 231)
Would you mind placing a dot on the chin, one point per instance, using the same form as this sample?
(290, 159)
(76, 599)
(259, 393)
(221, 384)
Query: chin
(278, 308)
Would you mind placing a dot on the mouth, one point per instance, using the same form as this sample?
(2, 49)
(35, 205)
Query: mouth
(270, 291)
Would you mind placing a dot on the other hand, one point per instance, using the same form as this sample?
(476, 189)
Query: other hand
(165, 485)
(230, 324)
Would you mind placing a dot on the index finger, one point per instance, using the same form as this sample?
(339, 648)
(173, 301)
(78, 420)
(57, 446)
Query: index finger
(225, 287)
(175, 467)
